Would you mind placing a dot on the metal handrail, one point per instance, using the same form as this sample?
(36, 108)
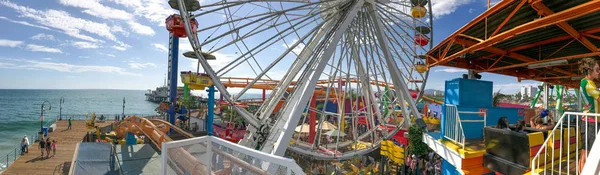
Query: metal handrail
(459, 134)
(551, 138)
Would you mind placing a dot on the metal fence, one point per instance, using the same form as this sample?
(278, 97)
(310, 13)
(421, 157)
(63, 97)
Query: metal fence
(207, 155)
(12, 155)
(563, 146)
(453, 129)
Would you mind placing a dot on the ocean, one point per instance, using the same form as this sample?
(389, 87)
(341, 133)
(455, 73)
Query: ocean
(20, 109)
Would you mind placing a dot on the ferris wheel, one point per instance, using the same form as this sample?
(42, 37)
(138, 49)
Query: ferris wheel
(361, 61)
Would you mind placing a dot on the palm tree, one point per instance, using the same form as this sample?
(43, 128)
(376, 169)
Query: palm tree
(497, 98)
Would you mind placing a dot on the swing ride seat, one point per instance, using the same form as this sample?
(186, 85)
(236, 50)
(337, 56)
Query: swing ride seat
(196, 81)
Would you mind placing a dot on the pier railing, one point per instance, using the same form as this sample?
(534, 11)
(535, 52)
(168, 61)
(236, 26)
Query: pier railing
(453, 129)
(564, 145)
(11, 156)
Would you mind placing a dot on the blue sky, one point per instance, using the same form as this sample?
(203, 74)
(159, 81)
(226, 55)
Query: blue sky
(122, 44)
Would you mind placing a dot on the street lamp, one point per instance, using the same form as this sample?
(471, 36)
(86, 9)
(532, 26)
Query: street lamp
(62, 100)
(42, 115)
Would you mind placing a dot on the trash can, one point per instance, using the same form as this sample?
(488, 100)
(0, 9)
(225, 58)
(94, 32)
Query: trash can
(45, 131)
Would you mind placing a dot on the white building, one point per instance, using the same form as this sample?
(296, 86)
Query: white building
(528, 91)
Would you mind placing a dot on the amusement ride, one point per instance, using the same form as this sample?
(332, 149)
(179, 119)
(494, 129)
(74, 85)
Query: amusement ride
(339, 53)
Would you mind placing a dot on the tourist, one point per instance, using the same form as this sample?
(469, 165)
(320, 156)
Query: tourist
(48, 147)
(502, 123)
(69, 123)
(538, 122)
(42, 146)
(589, 68)
(26, 144)
(23, 146)
(53, 148)
(521, 126)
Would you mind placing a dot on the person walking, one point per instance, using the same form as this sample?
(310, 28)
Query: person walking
(48, 147)
(53, 148)
(42, 146)
(69, 123)
(26, 144)
(23, 146)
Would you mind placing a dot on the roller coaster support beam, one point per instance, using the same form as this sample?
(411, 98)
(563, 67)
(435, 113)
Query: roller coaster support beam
(535, 99)
(173, 73)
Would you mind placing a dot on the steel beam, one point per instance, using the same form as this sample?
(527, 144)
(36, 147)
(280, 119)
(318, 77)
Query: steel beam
(514, 55)
(280, 134)
(548, 60)
(509, 17)
(553, 19)
(542, 9)
(395, 74)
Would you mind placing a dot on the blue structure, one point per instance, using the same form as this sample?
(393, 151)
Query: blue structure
(130, 139)
(173, 73)
(473, 96)
(211, 110)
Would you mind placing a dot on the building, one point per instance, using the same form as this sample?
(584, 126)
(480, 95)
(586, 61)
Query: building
(528, 91)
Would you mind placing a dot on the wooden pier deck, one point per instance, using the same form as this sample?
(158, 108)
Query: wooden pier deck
(33, 163)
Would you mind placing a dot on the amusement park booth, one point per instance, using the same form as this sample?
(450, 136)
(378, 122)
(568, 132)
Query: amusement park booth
(466, 111)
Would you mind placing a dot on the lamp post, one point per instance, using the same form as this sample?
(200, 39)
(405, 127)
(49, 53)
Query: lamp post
(42, 115)
(123, 106)
(62, 100)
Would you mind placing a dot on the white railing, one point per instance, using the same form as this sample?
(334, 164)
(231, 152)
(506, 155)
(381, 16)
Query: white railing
(453, 129)
(564, 145)
(217, 156)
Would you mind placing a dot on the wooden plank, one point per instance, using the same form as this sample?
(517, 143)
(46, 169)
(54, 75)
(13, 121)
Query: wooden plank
(33, 163)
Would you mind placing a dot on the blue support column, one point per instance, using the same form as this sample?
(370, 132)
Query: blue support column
(173, 73)
(211, 110)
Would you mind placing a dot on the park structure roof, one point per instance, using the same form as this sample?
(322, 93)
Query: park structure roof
(528, 39)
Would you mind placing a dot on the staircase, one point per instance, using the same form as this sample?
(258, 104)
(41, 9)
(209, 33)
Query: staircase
(563, 146)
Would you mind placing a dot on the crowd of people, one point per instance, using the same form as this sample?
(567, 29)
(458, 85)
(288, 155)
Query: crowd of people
(46, 145)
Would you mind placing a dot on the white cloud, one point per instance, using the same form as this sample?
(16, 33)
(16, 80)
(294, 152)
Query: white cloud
(471, 10)
(65, 67)
(62, 20)
(94, 8)
(141, 29)
(446, 7)
(153, 10)
(84, 56)
(7, 65)
(119, 29)
(42, 36)
(221, 61)
(161, 47)
(121, 46)
(111, 55)
(297, 49)
(24, 23)
(451, 70)
(46, 58)
(9, 43)
(85, 45)
(38, 48)
(135, 65)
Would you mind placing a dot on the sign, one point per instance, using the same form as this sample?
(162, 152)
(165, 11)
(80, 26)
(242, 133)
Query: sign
(484, 110)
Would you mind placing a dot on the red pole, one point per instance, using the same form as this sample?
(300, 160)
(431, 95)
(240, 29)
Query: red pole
(312, 119)
(264, 95)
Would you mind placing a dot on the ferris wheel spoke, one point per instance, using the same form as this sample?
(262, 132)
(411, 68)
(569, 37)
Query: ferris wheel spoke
(264, 44)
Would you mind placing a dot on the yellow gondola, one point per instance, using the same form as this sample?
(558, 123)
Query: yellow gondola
(196, 81)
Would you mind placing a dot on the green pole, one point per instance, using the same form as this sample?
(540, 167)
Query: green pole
(537, 95)
(559, 93)
(386, 101)
(186, 92)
